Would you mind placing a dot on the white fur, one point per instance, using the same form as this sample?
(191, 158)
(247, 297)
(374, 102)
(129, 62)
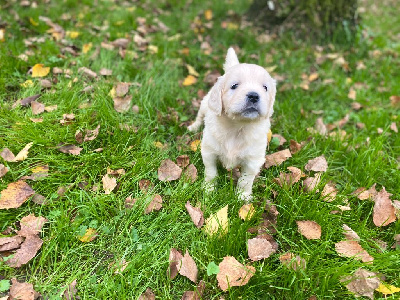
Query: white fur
(231, 134)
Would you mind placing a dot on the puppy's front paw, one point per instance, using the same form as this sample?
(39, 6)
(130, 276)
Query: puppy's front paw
(209, 186)
(246, 197)
(194, 127)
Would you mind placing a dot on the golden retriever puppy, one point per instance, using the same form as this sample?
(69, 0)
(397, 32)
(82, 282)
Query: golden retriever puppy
(236, 114)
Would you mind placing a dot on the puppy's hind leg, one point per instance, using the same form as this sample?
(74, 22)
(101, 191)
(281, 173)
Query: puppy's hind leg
(210, 171)
(200, 116)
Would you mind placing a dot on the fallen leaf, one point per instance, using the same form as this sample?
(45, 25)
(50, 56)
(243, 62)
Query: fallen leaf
(294, 146)
(188, 267)
(352, 94)
(350, 234)
(259, 248)
(15, 195)
(208, 14)
(233, 273)
(275, 159)
(72, 34)
(122, 104)
(31, 225)
(393, 127)
(329, 192)
(190, 173)
(89, 235)
(69, 149)
(194, 145)
(91, 134)
(195, 214)
(310, 229)
(28, 100)
(130, 202)
(67, 119)
(22, 290)
(196, 294)
(182, 161)
(147, 295)
(105, 72)
(280, 138)
(352, 249)
(39, 199)
(87, 72)
(39, 70)
(310, 183)
(169, 171)
(387, 289)
(7, 155)
(189, 80)
(317, 164)
(86, 48)
(362, 283)
(292, 261)
(50, 108)
(155, 204)
(109, 183)
(394, 101)
(37, 107)
(384, 211)
(36, 120)
(320, 126)
(10, 243)
(26, 252)
(192, 71)
(313, 76)
(217, 222)
(70, 291)
(23, 154)
(3, 170)
(120, 90)
(145, 185)
(363, 194)
(175, 258)
(247, 211)
(289, 178)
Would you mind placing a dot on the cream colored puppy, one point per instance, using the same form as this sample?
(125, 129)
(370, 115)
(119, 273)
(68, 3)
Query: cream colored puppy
(236, 113)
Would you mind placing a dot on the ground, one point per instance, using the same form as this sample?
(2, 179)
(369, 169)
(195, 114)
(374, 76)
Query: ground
(359, 79)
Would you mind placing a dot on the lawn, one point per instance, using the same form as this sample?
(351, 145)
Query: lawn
(354, 87)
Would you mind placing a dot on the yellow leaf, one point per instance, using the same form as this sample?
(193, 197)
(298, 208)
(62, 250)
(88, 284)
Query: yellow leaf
(159, 145)
(195, 145)
(40, 169)
(89, 235)
(208, 14)
(131, 9)
(349, 80)
(232, 26)
(192, 71)
(119, 23)
(246, 212)
(217, 222)
(152, 49)
(269, 135)
(189, 80)
(73, 34)
(23, 154)
(86, 48)
(2, 35)
(39, 70)
(112, 93)
(33, 22)
(313, 76)
(387, 289)
(27, 83)
(271, 69)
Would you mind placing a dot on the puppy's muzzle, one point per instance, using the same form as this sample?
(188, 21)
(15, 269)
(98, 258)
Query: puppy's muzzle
(251, 109)
(253, 97)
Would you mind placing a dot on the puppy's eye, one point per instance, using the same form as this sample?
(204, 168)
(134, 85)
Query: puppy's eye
(265, 88)
(234, 86)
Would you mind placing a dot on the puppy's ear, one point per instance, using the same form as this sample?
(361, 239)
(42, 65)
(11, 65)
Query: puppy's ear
(215, 97)
(231, 59)
(272, 94)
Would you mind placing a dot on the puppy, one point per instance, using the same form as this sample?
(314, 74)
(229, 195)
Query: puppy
(236, 113)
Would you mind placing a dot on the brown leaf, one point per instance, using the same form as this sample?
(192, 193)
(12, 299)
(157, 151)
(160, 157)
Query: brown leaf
(350, 234)
(28, 250)
(393, 127)
(175, 258)
(169, 171)
(294, 146)
(31, 225)
(69, 149)
(10, 243)
(196, 294)
(320, 127)
(292, 261)
(317, 164)
(233, 273)
(15, 195)
(130, 202)
(39, 199)
(362, 283)
(363, 194)
(310, 183)
(70, 292)
(67, 119)
(120, 43)
(329, 192)
(190, 173)
(50, 108)
(116, 173)
(91, 134)
(109, 183)
(195, 214)
(122, 104)
(155, 204)
(395, 101)
(259, 248)
(7, 155)
(188, 267)
(277, 158)
(281, 139)
(310, 229)
(289, 178)
(105, 72)
(147, 295)
(121, 89)
(384, 211)
(37, 107)
(22, 290)
(3, 170)
(182, 161)
(87, 72)
(352, 249)
(145, 185)
(28, 100)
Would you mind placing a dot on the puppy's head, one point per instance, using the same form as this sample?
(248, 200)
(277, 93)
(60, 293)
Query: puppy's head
(245, 91)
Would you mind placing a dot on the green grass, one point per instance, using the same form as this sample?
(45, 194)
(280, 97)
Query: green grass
(145, 240)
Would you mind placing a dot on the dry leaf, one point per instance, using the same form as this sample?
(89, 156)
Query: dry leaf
(259, 248)
(28, 100)
(89, 235)
(3, 170)
(189, 80)
(188, 268)
(7, 155)
(87, 72)
(387, 289)
(147, 295)
(31, 225)
(91, 134)
(169, 171)
(208, 14)
(247, 211)
(233, 273)
(320, 126)
(10, 243)
(313, 76)
(394, 101)
(50, 108)
(70, 292)
(196, 294)
(182, 161)
(22, 290)
(317, 164)
(67, 119)
(329, 192)
(15, 195)
(39, 70)
(310, 183)
(26, 252)
(39, 199)
(275, 159)
(145, 185)
(23, 154)
(384, 211)
(155, 204)
(122, 104)
(352, 94)
(289, 178)
(175, 258)
(109, 183)
(192, 71)
(350, 234)
(281, 139)
(292, 261)
(105, 72)
(37, 107)
(352, 249)
(310, 229)
(362, 283)
(393, 127)
(217, 222)
(194, 145)
(195, 214)
(130, 202)
(294, 146)
(190, 173)
(70, 149)
(363, 194)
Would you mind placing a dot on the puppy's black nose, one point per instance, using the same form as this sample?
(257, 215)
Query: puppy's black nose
(253, 97)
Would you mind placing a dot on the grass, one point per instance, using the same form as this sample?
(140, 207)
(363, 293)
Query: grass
(145, 240)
